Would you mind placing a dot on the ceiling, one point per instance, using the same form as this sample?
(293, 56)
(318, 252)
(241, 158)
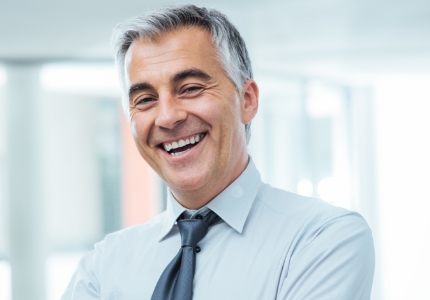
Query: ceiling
(291, 35)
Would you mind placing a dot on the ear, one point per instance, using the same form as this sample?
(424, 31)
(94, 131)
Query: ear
(249, 101)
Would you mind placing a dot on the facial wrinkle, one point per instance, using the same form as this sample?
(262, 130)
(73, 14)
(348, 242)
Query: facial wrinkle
(190, 126)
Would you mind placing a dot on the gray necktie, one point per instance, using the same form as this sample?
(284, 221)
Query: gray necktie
(176, 281)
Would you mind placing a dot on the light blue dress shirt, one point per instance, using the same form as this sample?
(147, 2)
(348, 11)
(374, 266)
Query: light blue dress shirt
(271, 244)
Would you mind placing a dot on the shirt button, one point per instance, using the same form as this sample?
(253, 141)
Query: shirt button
(198, 249)
(237, 192)
(199, 217)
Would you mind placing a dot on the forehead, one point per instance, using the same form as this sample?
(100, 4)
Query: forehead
(184, 47)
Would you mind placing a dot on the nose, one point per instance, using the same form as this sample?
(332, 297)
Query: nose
(170, 112)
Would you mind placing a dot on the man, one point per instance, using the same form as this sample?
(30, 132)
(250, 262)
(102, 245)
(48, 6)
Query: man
(190, 99)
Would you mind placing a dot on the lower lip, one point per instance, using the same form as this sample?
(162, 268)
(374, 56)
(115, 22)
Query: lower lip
(187, 153)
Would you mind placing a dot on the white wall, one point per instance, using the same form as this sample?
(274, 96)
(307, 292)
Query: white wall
(71, 179)
(403, 168)
(3, 183)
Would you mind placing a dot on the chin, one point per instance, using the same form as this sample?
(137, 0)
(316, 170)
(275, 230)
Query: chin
(187, 183)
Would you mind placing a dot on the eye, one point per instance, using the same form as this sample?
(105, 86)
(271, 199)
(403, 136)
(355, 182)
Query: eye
(191, 90)
(144, 100)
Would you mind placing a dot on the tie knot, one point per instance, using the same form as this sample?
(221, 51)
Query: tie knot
(192, 231)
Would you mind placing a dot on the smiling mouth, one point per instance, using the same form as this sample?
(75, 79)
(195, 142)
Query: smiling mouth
(181, 146)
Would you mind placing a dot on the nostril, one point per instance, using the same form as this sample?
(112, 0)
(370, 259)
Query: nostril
(169, 115)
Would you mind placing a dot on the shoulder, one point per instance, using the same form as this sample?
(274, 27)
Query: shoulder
(310, 217)
(322, 246)
(298, 206)
(125, 238)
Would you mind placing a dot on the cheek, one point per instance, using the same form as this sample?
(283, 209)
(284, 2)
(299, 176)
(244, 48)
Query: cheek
(139, 129)
(133, 128)
(231, 115)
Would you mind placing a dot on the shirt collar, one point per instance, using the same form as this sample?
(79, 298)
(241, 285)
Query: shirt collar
(232, 204)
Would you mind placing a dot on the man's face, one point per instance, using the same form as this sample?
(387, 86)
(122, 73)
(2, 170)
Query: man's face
(187, 116)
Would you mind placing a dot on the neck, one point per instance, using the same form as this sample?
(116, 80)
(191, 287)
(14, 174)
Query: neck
(196, 199)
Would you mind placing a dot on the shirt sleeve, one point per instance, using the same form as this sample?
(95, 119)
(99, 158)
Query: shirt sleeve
(337, 262)
(84, 284)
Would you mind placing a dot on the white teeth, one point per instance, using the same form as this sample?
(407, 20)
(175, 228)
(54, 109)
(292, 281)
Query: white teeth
(182, 143)
(179, 153)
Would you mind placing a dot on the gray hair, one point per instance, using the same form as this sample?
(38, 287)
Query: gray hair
(226, 38)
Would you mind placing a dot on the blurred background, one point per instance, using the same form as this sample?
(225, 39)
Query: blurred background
(344, 115)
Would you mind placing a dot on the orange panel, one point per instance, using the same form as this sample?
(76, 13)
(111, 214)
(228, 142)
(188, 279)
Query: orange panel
(140, 184)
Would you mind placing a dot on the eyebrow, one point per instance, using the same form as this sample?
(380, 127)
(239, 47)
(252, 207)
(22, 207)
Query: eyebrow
(193, 72)
(139, 87)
